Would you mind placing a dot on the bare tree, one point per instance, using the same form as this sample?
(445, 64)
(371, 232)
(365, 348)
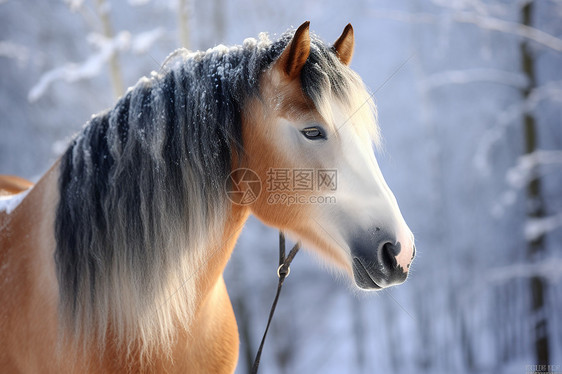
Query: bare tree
(535, 201)
(183, 23)
(219, 19)
(102, 8)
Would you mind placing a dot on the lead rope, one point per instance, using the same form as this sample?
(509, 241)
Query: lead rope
(282, 272)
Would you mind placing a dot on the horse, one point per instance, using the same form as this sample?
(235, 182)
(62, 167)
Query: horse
(113, 260)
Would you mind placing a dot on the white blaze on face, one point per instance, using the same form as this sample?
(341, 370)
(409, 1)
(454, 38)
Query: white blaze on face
(363, 201)
(362, 190)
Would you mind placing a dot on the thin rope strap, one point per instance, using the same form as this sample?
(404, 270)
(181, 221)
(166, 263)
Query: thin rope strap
(282, 272)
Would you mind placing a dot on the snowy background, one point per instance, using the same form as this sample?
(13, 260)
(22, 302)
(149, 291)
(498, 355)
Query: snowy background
(454, 100)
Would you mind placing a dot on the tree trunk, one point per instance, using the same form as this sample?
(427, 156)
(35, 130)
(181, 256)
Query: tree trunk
(219, 21)
(183, 23)
(114, 68)
(535, 204)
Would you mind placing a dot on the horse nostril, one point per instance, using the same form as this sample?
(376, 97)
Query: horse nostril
(389, 253)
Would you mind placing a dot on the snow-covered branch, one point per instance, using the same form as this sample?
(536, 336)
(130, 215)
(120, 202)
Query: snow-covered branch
(73, 72)
(550, 91)
(496, 24)
(473, 75)
(527, 166)
(483, 8)
(144, 41)
(548, 269)
(482, 21)
(90, 68)
(14, 51)
(138, 2)
(74, 5)
(537, 227)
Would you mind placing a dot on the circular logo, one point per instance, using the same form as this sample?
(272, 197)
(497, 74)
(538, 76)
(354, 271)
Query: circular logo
(243, 186)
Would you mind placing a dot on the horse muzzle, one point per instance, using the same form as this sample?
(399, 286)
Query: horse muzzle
(380, 261)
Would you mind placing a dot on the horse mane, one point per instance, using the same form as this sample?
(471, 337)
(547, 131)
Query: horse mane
(141, 189)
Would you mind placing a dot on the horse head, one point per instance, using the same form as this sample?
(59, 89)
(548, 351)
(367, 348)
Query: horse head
(309, 137)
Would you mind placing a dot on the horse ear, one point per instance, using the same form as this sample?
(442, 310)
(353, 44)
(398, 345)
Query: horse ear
(295, 54)
(344, 45)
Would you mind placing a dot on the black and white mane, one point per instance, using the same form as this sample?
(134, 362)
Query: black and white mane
(141, 187)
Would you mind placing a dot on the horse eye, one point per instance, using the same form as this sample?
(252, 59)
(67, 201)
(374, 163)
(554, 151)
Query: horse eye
(313, 133)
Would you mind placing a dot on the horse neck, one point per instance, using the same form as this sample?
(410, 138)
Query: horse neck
(219, 254)
(29, 290)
